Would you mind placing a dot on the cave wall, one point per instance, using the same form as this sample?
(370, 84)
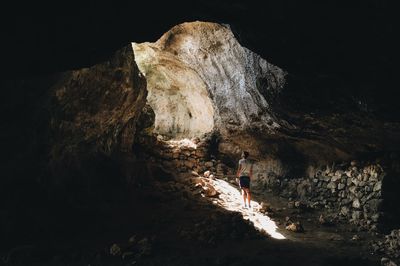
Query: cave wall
(206, 61)
(93, 116)
(68, 145)
(73, 140)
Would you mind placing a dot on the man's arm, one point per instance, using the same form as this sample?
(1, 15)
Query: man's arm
(251, 171)
(238, 171)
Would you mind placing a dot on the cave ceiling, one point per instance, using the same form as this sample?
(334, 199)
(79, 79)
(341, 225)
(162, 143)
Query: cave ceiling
(340, 46)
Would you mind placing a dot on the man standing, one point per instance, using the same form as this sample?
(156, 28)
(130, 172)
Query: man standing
(245, 173)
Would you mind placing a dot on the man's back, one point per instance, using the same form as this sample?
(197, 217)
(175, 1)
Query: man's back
(245, 167)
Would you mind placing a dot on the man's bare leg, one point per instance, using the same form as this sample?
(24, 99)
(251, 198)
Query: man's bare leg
(248, 196)
(244, 196)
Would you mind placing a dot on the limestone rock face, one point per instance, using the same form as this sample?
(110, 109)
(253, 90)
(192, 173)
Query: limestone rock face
(95, 109)
(200, 78)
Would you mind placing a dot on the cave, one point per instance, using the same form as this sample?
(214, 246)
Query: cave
(179, 98)
(124, 127)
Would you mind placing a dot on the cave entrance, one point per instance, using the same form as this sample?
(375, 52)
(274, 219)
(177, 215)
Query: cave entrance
(178, 96)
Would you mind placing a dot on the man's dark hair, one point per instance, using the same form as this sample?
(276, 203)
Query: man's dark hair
(246, 154)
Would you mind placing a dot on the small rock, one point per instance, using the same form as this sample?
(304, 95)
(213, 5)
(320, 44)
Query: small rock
(331, 185)
(378, 186)
(194, 173)
(344, 210)
(387, 262)
(127, 255)
(356, 204)
(209, 164)
(115, 250)
(144, 247)
(295, 227)
(265, 207)
(321, 219)
(211, 191)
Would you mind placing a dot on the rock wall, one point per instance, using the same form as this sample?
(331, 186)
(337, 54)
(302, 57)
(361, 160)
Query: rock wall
(96, 108)
(389, 246)
(352, 192)
(185, 156)
(232, 86)
(92, 116)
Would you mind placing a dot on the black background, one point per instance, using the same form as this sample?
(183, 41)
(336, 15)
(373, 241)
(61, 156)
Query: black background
(337, 48)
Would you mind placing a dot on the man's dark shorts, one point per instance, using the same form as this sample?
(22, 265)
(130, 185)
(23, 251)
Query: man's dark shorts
(244, 182)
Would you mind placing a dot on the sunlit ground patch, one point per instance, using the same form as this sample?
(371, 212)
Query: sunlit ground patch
(231, 199)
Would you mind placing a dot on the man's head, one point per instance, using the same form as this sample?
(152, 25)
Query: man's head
(245, 154)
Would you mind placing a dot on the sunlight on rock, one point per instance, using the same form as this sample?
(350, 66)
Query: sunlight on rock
(182, 143)
(231, 199)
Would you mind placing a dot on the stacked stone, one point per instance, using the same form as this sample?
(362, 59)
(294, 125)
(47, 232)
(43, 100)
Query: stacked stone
(184, 159)
(354, 193)
(181, 159)
(390, 246)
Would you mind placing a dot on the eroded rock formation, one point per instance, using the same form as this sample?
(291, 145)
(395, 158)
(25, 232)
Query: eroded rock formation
(92, 121)
(201, 79)
(98, 107)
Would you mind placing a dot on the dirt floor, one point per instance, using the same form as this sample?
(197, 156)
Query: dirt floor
(174, 223)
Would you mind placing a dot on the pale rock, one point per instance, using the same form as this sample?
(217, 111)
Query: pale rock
(200, 78)
(335, 178)
(295, 227)
(194, 173)
(344, 210)
(331, 185)
(115, 250)
(355, 181)
(356, 204)
(378, 186)
(326, 178)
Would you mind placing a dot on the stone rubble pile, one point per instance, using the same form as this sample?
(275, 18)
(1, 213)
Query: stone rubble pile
(352, 193)
(390, 245)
